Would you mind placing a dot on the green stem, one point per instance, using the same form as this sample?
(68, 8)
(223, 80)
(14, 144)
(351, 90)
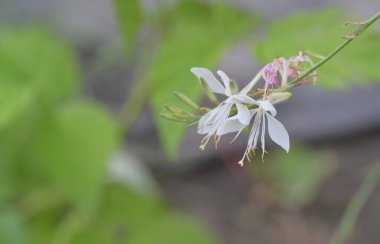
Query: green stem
(354, 35)
(294, 82)
(141, 89)
(70, 225)
(135, 103)
(347, 224)
(39, 201)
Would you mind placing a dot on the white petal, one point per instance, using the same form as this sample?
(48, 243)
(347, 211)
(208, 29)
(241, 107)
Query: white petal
(268, 107)
(210, 122)
(254, 128)
(230, 125)
(284, 72)
(251, 84)
(243, 114)
(203, 126)
(226, 81)
(209, 116)
(207, 122)
(277, 132)
(253, 111)
(242, 99)
(257, 130)
(223, 111)
(210, 79)
(263, 136)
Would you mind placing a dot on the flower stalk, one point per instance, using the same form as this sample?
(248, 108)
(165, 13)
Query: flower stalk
(243, 108)
(355, 34)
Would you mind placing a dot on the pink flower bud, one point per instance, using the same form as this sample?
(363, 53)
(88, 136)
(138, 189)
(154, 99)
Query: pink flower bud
(270, 74)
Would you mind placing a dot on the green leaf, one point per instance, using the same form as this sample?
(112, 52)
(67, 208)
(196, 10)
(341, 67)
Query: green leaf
(321, 32)
(123, 214)
(11, 228)
(130, 217)
(95, 234)
(17, 173)
(14, 99)
(131, 211)
(174, 228)
(129, 13)
(297, 177)
(41, 227)
(197, 34)
(73, 146)
(34, 68)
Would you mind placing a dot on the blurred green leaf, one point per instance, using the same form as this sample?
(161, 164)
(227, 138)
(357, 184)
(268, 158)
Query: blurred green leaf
(36, 72)
(34, 68)
(129, 13)
(130, 211)
(174, 228)
(321, 32)
(14, 100)
(41, 227)
(298, 176)
(94, 234)
(11, 228)
(15, 175)
(130, 217)
(123, 216)
(73, 147)
(197, 34)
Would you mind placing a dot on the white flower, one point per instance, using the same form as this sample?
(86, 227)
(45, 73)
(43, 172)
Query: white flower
(264, 119)
(212, 123)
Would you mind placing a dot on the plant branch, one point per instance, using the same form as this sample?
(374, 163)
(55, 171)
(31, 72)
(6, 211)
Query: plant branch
(363, 26)
(350, 38)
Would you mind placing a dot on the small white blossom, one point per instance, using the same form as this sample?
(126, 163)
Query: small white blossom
(265, 119)
(212, 123)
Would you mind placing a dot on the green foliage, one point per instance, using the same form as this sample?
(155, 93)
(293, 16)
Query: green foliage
(129, 13)
(14, 100)
(73, 146)
(172, 229)
(320, 32)
(37, 72)
(196, 34)
(41, 227)
(128, 217)
(11, 229)
(34, 68)
(296, 178)
(124, 207)
(54, 153)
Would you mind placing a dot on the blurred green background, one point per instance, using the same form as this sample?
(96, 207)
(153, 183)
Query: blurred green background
(85, 157)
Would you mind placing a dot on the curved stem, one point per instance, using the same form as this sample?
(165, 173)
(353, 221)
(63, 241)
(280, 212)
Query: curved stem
(350, 38)
(294, 82)
(135, 103)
